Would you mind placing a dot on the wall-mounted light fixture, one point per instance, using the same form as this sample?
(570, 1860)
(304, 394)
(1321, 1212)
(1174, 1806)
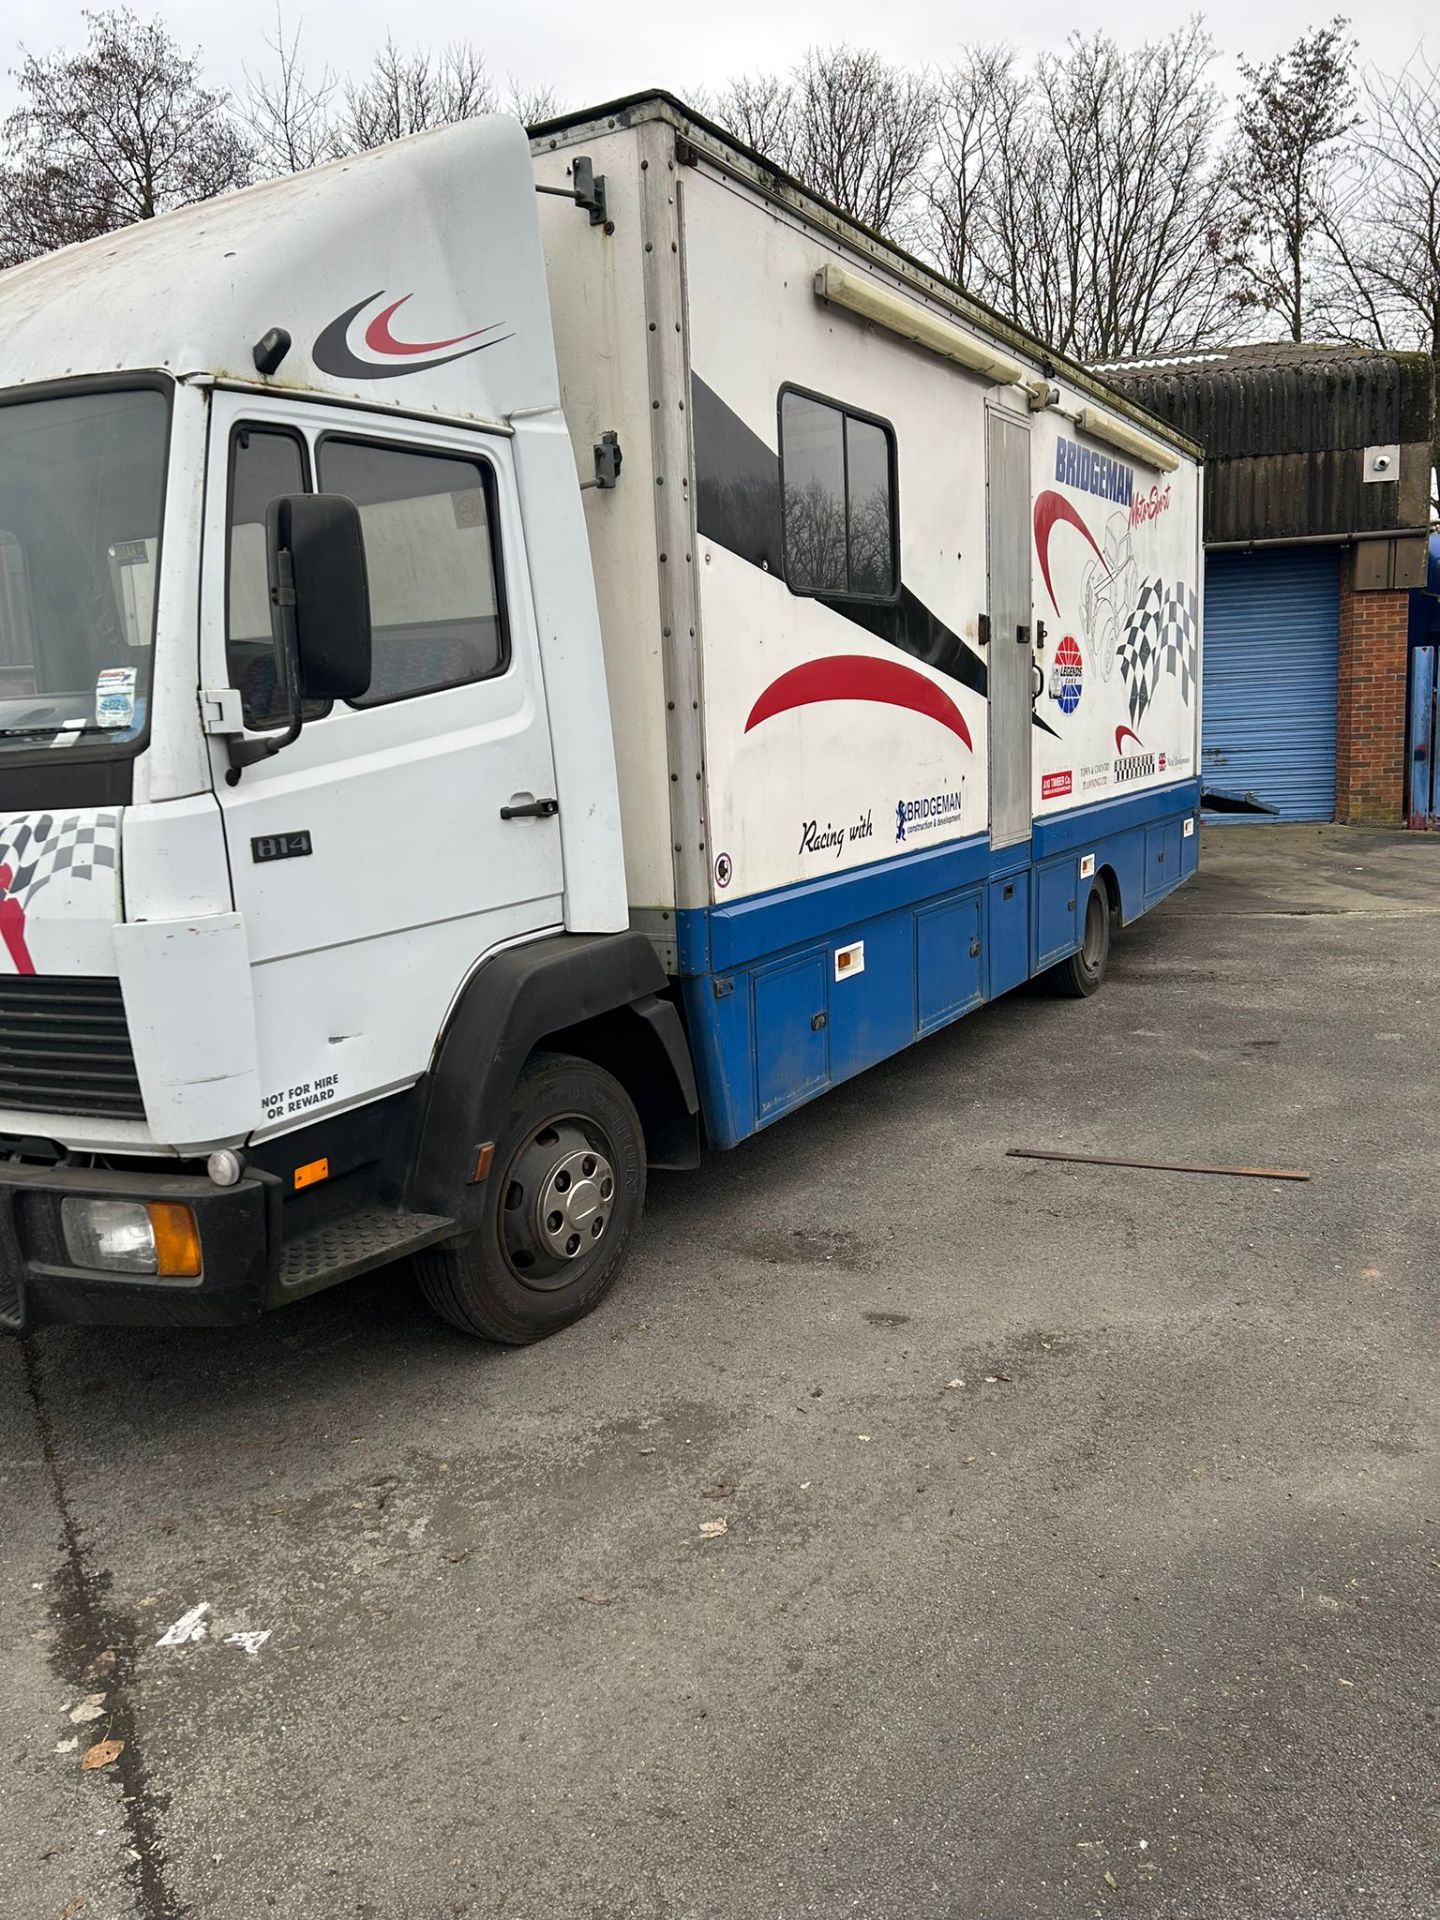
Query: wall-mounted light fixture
(841, 288)
(1118, 433)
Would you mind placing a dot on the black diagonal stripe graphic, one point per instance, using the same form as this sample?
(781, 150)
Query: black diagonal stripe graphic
(737, 505)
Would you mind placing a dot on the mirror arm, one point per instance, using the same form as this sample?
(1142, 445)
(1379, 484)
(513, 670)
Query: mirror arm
(244, 753)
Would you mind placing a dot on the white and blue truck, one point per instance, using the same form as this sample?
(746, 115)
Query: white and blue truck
(523, 656)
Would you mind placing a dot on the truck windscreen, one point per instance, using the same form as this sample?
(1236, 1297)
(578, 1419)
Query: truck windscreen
(82, 481)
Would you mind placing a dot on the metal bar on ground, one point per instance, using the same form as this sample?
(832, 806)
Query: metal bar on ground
(1155, 1166)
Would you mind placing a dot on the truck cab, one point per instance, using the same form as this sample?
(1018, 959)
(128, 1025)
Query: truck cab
(309, 838)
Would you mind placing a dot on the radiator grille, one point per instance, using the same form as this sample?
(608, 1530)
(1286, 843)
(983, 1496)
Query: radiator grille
(65, 1048)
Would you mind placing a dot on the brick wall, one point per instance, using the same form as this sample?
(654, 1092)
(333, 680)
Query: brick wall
(1370, 731)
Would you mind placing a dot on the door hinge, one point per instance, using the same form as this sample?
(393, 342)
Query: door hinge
(220, 710)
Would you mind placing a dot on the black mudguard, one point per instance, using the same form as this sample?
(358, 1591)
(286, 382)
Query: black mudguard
(593, 994)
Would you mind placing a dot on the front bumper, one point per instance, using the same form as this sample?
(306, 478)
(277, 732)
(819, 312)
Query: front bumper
(38, 1283)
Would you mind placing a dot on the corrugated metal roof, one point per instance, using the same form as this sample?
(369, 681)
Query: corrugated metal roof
(1284, 428)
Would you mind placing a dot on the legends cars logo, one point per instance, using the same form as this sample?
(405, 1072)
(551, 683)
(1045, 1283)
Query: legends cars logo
(1067, 675)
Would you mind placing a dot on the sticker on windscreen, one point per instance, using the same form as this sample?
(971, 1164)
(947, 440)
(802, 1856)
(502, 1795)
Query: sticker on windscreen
(115, 697)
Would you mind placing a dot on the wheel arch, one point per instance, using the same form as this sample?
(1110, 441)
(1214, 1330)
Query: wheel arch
(597, 995)
(1107, 877)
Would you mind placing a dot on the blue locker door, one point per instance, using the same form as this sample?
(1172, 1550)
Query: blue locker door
(1271, 663)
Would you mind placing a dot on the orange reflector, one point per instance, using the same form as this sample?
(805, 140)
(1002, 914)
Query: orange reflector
(177, 1240)
(312, 1171)
(483, 1158)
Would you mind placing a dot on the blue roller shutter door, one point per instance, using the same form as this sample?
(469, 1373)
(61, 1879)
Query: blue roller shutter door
(1272, 623)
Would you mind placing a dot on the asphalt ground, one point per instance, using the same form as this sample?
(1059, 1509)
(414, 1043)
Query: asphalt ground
(1081, 1548)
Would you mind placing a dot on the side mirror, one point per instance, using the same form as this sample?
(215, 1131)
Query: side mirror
(316, 558)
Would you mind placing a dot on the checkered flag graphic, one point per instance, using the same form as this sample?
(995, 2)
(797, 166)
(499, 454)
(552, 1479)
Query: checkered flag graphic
(37, 846)
(1159, 637)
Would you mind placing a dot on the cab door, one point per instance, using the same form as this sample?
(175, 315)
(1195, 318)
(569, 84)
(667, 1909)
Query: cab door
(378, 857)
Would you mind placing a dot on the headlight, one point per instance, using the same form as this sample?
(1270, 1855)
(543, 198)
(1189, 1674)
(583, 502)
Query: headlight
(132, 1236)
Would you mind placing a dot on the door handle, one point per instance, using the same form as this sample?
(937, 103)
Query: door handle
(530, 810)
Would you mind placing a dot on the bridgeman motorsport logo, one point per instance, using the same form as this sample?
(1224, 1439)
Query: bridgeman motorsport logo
(360, 345)
(1138, 764)
(929, 813)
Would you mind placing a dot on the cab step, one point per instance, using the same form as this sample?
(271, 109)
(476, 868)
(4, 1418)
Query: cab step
(367, 1238)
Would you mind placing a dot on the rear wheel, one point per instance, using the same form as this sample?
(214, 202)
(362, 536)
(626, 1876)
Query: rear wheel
(1082, 973)
(564, 1196)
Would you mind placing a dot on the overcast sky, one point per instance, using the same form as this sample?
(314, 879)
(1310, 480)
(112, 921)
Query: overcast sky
(594, 51)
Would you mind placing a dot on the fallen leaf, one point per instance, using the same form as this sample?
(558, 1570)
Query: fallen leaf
(954, 1383)
(66, 1746)
(711, 1529)
(595, 1599)
(74, 1907)
(100, 1667)
(104, 1754)
(645, 1450)
(92, 1707)
(1110, 1880)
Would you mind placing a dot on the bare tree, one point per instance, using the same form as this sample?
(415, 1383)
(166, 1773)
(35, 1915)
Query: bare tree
(118, 132)
(1380, 281)
(297, 122)
(532, 104)
(851, 126)
(978, 145)
(1087, 200)
(407, 93)
(1295, 110)
(291, 119)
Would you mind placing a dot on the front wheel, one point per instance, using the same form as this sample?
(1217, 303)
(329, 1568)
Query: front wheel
(1081, 975)
(564, 1196)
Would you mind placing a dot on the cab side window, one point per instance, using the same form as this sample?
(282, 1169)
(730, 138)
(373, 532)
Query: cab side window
(428, 520)
(264, 463)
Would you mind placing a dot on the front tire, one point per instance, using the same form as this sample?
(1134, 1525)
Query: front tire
(1083, 973)
(564, 1197)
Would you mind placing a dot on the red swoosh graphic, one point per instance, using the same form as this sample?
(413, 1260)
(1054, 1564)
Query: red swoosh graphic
(1050, 507)
(1120, 733)
(858, 677)
(379, 338)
